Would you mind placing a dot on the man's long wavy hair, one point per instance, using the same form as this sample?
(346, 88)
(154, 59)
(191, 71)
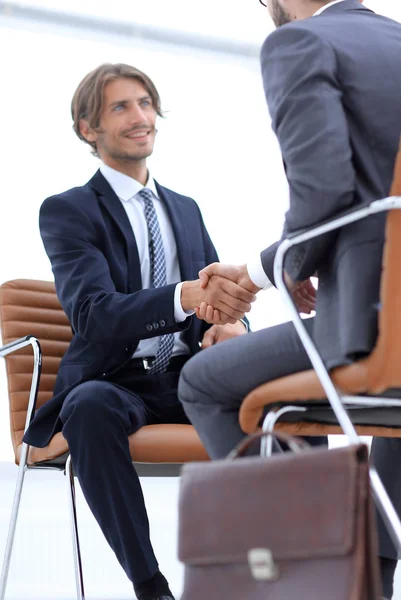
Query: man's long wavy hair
(87, 102)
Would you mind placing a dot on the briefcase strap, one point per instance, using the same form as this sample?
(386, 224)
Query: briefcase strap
(294, 444)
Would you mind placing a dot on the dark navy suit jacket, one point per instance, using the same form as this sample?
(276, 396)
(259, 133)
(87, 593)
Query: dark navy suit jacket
(95, 261)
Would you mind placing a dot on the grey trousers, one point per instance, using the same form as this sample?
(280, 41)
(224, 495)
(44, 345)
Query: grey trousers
(214, 382)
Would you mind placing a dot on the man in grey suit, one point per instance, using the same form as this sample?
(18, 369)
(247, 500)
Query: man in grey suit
(332, 79)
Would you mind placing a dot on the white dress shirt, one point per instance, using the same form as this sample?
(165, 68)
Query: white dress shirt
(319, 12)
(254, 265)
(127, 188)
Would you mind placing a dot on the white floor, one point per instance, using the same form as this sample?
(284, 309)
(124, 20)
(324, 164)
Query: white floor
(42, 565)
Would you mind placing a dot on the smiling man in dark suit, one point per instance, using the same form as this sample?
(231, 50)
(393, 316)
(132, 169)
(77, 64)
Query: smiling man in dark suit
(332, 79)
(125, 253)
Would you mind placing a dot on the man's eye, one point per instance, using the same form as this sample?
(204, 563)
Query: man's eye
(118, 107)
(146, 103)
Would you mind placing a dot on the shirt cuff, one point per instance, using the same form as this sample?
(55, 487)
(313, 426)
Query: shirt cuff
(179, 313)
(257, 273)
(245, 324)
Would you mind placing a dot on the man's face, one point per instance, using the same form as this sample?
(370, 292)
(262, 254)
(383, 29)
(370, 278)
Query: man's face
(127, 122)
(277, 13)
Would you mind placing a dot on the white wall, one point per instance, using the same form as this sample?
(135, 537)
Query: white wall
(215, 144)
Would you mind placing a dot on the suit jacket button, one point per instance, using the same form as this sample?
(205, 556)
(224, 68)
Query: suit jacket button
(162, 323)
(149, 327)
(155, 325)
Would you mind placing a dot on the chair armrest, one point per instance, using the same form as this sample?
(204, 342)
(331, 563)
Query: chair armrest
(344, 218)
(16, 345)
(28, 340)
(390, 203)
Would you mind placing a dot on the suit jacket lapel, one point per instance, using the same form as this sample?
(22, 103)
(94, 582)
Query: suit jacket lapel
(114, 207)
(176, 211)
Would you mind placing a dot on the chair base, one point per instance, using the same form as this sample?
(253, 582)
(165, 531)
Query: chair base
(22, 469)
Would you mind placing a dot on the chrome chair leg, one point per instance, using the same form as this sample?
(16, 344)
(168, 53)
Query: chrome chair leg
(13, 521)
(381, 497)
(74, 530)
(270, 420)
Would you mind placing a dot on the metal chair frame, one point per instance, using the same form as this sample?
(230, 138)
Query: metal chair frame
(144, 470)
(24, 467)
(340, 404)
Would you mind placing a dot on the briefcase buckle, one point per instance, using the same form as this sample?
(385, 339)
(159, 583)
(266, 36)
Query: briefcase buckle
(262, 565)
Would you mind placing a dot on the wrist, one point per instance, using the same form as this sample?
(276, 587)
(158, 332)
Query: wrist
(190, 295)
(246, 280)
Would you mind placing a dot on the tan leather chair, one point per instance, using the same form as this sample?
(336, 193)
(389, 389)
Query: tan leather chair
(367, 392)
(31, 307)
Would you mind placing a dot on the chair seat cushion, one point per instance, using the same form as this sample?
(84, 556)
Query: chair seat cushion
(167, 443)
(305, 389)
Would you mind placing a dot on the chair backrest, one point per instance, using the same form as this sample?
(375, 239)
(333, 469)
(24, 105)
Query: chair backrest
(384, 370)
(30, 307)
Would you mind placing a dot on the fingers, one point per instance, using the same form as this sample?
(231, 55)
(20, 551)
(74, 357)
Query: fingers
(203, 278)
(232, 272)
(207, 272)
(211, 315)
(304, 295)
(306, 298)
(209, 339)
(235, 290)
(206, 312)
(228, 297)
(226, 319)
(305, 306)
(229, 314)
(308, 289)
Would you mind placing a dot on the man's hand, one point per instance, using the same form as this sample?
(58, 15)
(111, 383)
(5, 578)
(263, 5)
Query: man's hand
(237, 274)
(220, 333)
(230, 299)
(303, 294)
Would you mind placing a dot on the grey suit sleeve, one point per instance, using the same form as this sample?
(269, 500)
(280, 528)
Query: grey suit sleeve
(305, 102)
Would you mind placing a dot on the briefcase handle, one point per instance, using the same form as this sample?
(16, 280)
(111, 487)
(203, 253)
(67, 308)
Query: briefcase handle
(294, 444)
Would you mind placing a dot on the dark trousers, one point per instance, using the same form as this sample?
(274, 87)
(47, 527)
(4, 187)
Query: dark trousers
(98, 416)
(386, 456)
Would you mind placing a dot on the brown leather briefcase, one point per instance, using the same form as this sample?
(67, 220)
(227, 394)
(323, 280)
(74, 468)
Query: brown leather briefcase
(290, 527)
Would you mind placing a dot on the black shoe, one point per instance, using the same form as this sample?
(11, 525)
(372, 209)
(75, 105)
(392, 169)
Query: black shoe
(155, 588)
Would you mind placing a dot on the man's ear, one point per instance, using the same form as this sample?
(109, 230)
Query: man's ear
(86, 131)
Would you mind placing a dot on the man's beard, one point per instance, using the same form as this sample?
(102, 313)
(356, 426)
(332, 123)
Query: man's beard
(279, 15)
(120, 155)
(123, 155)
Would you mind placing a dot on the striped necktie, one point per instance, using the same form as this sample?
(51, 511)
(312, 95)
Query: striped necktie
(157, 276)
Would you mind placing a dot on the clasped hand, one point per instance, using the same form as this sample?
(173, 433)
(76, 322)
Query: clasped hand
(239, 278)
(219, 311)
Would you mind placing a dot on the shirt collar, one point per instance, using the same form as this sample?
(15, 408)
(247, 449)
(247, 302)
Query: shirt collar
(124, 186)
(319, 12)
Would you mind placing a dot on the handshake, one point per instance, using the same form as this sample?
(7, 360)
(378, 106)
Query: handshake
(224, 293)
(221, 295)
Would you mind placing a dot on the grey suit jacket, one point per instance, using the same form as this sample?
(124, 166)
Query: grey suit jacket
(333, 88)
